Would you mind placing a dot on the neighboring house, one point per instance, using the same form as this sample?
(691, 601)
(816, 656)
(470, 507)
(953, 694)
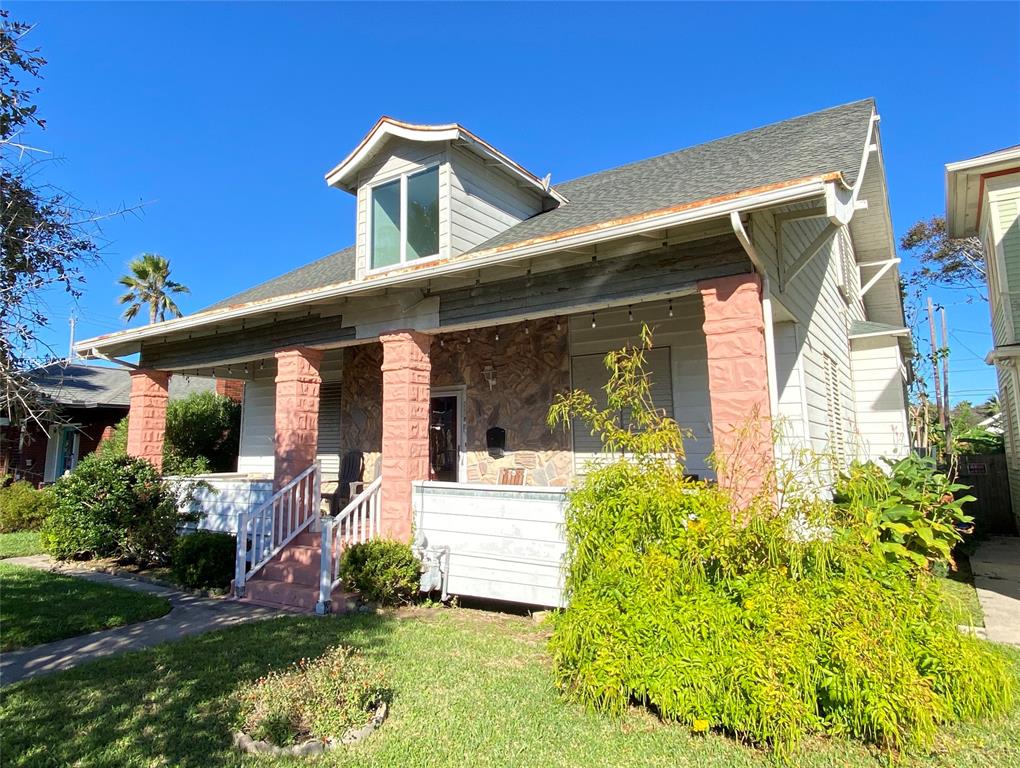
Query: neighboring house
(89, 400)
(475, 291)
(983, 200)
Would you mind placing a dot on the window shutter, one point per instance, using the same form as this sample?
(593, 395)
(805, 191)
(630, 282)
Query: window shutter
(329, 428)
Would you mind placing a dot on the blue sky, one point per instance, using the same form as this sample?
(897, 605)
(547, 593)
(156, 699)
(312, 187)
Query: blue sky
(223, 118)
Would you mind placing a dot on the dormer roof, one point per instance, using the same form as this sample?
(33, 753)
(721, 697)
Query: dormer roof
(345, 175)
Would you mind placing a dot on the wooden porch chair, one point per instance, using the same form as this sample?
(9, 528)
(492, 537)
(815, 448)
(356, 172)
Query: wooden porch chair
(352, 470)
(512, 475)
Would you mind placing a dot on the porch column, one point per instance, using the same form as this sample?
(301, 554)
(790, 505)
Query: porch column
(738, 382)
(147, 414)
(407, 372)
(297, 412)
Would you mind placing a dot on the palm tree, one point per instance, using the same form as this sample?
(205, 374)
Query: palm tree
(149, 283)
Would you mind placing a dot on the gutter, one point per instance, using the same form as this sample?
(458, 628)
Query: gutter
(766, 309)
(678, 215)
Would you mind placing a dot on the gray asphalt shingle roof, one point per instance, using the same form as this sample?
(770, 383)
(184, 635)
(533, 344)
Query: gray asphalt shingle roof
(822, 142)
(90, 386)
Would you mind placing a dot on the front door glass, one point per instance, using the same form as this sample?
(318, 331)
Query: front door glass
(444, 453)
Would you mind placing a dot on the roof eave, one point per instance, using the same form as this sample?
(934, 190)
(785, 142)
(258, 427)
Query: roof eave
(689, 213)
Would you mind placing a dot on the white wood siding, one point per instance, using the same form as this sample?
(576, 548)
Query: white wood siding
(258, 420)
(506, 542)
(483, 203)
(823, 316)
(879, 385)
(688, 362)
(225, 497)
(1007, 376)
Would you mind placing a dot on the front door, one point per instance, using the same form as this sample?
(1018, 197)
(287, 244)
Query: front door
(444, 438)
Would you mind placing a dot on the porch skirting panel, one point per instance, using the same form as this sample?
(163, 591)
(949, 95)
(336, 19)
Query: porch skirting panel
(506, 542)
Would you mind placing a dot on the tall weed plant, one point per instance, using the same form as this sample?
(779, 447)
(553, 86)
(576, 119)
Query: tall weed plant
(770, 622)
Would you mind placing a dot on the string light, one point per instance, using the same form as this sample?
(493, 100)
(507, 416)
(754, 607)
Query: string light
(671, 307)
(592, 319)
(630, 314)
(497, 335)
(527, 330)
(262, 365)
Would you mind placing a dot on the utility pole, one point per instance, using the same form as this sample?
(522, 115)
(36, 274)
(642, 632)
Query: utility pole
(939, 403)
(70, 346)
(944, 351)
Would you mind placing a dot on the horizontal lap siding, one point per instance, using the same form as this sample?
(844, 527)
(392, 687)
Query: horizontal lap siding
(879, 390)
(675, 269)
(681, 388)
(220, 503)
(504, 545)
(1008, 396)
(484, 202)
(813, 298)
(258, 422)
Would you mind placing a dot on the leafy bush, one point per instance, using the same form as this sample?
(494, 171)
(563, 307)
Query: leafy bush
(384, 572)
(321, 699)
(203, 432)
(768, 626)
(912, 515)
(112, 506)
(22, 507)
(204, 559)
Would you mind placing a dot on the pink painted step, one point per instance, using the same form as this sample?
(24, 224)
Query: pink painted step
(291, 579)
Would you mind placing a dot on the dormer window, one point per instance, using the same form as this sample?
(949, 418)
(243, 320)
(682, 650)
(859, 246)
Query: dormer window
(405, 219)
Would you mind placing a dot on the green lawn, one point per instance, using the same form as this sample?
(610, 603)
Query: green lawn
(961, 596)
(20, 544)
(39, 607)
(469, 689)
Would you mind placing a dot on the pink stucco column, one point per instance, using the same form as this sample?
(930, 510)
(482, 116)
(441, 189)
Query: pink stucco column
(407, 371)
(147, 415)
(297, 412)
(738, 382)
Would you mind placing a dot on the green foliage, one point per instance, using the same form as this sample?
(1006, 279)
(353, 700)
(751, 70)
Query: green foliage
(384, 572)
(149, 284)
(769, 624)
(979, 440)
(23, 507)
(320, 698)
(112, 506)
(912, 515)
(630, 424)
(204, 559)
(203, 432)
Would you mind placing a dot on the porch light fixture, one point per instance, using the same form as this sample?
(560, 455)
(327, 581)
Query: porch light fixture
(490, 375)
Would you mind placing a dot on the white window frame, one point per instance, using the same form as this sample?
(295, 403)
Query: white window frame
(370, 231)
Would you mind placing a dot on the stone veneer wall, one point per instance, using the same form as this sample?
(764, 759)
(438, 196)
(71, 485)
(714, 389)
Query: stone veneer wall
(361, 405)
(531, 368)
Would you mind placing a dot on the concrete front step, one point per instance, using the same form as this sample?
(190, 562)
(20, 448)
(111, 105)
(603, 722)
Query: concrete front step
(291, 572)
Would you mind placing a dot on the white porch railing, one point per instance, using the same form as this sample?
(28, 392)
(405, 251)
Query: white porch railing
(267, 529)
(357, 522)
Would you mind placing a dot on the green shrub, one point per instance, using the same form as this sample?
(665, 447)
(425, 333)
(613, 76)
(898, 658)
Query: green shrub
(204, 559)
(319, 699)
(23, 507)
(202, 435)
(767, 623)
(912, 515)
(384, 572)
(112, 506)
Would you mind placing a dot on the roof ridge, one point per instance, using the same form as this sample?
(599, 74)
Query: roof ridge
(777, 124)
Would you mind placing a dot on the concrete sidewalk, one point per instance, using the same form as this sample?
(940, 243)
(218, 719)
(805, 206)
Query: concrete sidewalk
(996, 566)
(189, 615)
